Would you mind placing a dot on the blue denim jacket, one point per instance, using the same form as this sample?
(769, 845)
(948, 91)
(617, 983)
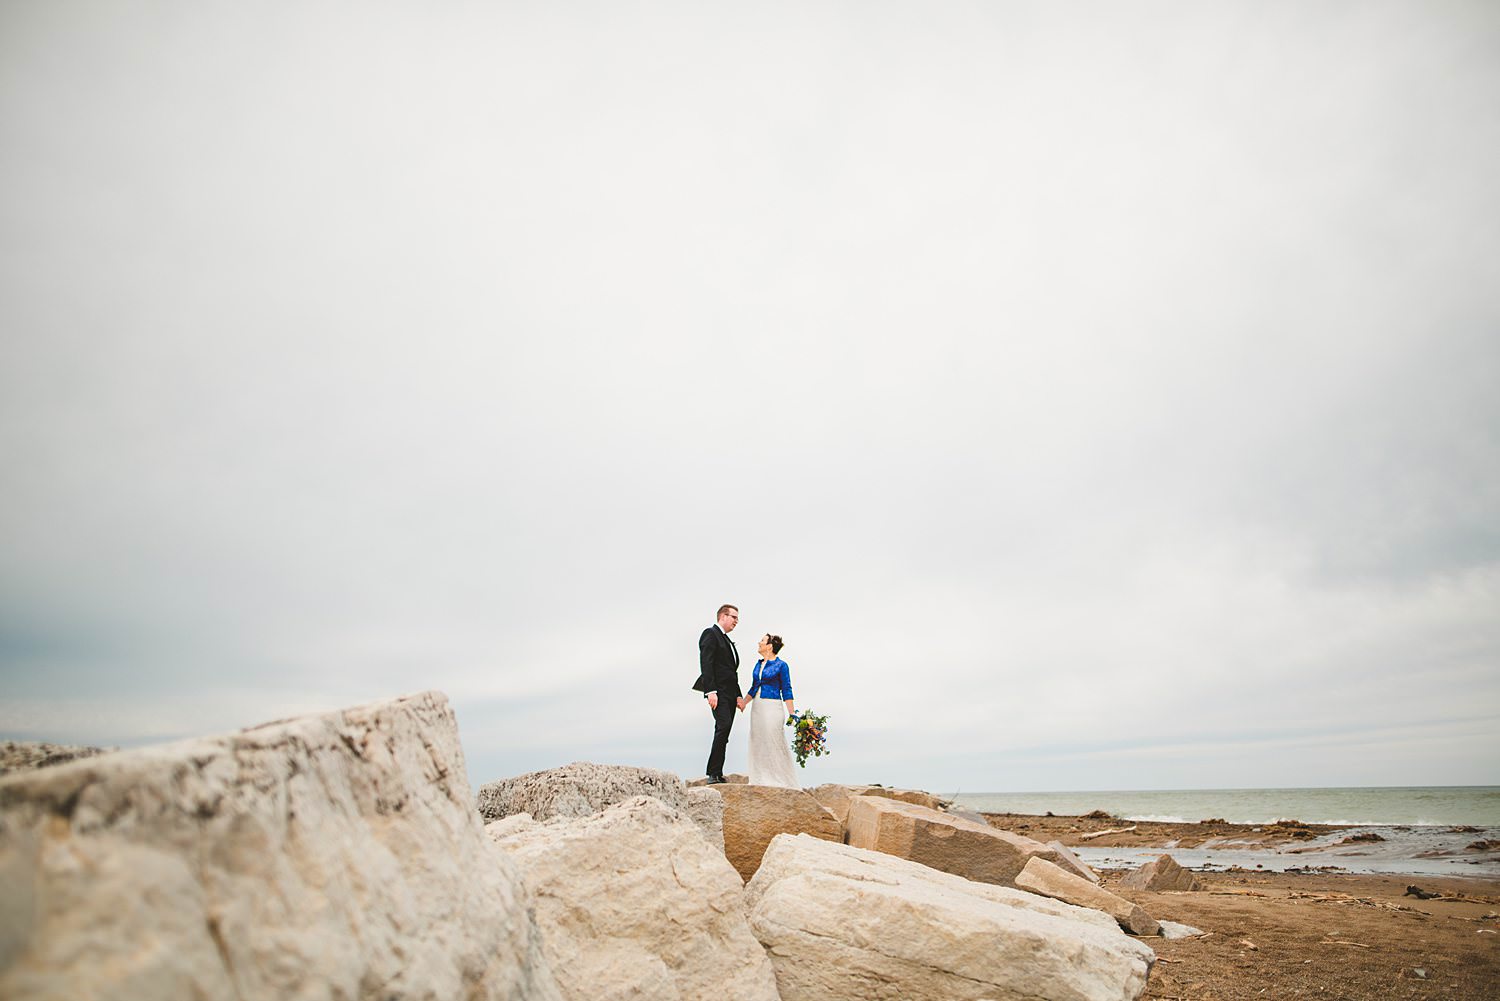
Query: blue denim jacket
(771, 679)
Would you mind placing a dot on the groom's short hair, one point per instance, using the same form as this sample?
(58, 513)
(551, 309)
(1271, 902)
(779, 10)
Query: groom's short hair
(725, 608)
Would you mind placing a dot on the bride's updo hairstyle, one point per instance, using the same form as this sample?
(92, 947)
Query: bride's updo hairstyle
(775, 642)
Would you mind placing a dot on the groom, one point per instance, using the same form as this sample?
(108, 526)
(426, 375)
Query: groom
(718, 680)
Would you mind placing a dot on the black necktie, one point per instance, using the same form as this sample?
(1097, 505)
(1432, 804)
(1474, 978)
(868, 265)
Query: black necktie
(734, 650)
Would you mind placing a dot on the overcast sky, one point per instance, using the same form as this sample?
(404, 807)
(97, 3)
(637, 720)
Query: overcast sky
(1095, 395)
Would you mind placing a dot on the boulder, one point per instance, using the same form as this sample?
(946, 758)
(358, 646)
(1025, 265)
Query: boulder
(336, 855)
(844, 923)
(836, 798)
(790, 855)
(634, 903)
(583, 788)
(1163, 873)
(941, 840)
(577, 790)
(1072, 863)
(753, 815)
(1041, 876)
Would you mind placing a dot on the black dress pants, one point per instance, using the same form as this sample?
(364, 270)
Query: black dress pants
(723, 723)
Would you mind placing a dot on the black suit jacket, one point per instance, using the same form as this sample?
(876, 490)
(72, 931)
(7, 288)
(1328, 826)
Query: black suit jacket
(717, 671)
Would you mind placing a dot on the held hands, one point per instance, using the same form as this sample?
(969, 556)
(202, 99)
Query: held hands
(741, 703)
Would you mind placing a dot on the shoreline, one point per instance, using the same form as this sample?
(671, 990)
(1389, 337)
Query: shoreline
(1304, 931)
(1107, 842)
(1353, 806)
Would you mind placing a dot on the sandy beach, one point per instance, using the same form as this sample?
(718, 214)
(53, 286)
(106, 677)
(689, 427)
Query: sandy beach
(1310, 933)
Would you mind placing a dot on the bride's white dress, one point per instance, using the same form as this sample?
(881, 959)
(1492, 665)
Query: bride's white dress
(770, 754)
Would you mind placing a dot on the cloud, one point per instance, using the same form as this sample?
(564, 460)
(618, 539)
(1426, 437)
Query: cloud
(1072, 390)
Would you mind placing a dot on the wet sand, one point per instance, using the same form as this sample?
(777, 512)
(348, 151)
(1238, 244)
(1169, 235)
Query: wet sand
(1310, 934)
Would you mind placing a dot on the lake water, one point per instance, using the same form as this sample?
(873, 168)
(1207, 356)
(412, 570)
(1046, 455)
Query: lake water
(1431, 806)
(1423, 830)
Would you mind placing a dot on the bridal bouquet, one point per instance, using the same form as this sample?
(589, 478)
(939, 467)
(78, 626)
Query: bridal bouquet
(810, 736)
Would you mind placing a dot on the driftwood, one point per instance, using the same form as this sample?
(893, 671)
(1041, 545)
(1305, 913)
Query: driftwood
(1100, 834)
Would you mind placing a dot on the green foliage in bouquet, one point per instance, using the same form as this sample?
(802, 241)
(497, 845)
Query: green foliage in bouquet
(809, 736)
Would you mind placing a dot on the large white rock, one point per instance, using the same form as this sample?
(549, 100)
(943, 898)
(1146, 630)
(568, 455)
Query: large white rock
(634, 903)
(577, 790)
(332, 856)
(791, 855)
(845, 923)
(584, 788)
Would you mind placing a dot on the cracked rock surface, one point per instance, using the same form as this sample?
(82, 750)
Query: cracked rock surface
(329, 856)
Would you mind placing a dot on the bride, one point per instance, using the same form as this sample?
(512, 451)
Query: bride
(769, 702)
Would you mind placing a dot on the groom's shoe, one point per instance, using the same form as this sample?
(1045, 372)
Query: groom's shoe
(715, 780)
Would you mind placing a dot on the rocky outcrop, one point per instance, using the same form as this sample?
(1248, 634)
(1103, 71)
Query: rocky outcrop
(336, 855)
(1162, 873)
(843, 923)
(941, 840)
(753, 815)
(1041, 876)
(634, 903)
